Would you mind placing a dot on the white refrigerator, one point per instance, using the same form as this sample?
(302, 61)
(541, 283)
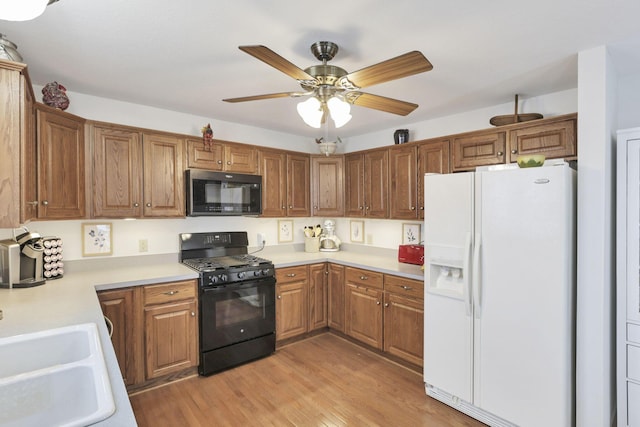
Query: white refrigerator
(499, 316)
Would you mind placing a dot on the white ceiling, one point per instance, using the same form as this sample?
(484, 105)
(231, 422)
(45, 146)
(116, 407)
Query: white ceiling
(184, 56)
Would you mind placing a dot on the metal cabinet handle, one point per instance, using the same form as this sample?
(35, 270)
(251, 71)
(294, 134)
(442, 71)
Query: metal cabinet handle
(148, 205)
(315, 207)
(406, 288)
(386, 304)
(514, 151)
(364, 278)
(413, 208)
(421, 208)
(326, 273)
(34, 203)
(44, 202)
(290, 206)
(219, 162)
(284, 207)
(367, 208)
(377, 302)
(360, 207)
(279, 296)
(135, 205)
(291, 275)
(193, 314)
(171, 293)
(499, 153)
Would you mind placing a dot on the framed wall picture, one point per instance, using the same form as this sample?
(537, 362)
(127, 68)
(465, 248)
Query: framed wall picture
(97, 239)
(411, 234)
(285, 230)
(357, 231)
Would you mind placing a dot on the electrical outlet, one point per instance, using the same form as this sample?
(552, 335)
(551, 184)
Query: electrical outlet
(143, 245)
(262, 238)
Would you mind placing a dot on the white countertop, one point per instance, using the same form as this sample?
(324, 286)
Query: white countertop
(73, 300)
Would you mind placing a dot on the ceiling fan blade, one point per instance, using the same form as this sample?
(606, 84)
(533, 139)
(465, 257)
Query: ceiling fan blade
(269, 57)
(381, 103)
(401, 66)
(265, 96)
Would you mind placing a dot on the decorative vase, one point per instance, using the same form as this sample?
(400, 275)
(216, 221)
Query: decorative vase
(54, 95)
(400, 136)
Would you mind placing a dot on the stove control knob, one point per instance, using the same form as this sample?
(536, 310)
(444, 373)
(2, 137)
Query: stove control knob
(213, 279)
(256, 272)
(265, 272)
(223, 277)
(241, 275)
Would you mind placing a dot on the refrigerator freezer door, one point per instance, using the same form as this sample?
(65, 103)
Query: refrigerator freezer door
(523, 335)
(448, 331)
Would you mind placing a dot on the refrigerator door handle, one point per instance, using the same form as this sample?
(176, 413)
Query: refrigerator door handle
(477, 284)
(466, 276)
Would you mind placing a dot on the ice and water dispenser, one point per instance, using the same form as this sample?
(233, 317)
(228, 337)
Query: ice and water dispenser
(447, 271)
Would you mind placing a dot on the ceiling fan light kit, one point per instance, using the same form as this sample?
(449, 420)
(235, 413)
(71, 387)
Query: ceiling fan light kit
(332, 90)
(23, 10)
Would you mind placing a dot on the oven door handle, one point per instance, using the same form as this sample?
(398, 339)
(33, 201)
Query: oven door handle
(239, 285)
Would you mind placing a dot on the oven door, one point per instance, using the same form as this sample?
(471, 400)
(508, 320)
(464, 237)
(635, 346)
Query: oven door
(237, 312)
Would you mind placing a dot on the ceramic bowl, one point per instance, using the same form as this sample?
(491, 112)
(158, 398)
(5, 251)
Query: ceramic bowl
(531, 161)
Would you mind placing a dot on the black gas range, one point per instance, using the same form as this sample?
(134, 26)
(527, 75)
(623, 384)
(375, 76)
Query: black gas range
(236, 299)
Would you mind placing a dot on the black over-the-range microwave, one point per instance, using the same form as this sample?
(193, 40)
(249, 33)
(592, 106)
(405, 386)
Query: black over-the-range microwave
(222, 193)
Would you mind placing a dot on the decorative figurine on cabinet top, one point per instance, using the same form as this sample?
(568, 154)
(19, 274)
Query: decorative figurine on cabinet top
(54, 95)
(207, 136)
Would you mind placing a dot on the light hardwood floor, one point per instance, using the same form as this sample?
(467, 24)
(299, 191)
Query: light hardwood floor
(321, 381)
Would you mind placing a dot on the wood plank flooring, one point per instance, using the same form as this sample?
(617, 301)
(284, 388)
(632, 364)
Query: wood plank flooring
(321, 381)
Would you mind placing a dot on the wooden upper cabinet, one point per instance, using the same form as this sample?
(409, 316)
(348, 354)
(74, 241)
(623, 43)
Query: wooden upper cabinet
(117, 173)
(273, 168)
(354, 184)
(433, 157)
(366, 184)
(376, 185)
(298, 184)
(222, 156)
(403, 182)
(327, 186)
(477, 149)
(61, 164)
(28, 156)
(163, 175)
(554, 138)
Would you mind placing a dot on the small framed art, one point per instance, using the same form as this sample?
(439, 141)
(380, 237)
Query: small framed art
(285, 230)
(357, 231)
(97, 239)
(410, 234)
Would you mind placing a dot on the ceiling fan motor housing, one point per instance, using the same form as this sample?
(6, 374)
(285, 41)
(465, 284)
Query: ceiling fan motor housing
(324, 51)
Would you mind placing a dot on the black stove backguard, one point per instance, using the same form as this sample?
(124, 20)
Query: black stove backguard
(236, 299)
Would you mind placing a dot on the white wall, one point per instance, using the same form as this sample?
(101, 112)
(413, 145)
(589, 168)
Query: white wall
(629, 101)
(595, 360)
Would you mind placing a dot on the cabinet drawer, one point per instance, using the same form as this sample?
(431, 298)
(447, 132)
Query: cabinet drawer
(365, 278)
(402, 286)
(291, 274)
(169, 292)
(633, 333)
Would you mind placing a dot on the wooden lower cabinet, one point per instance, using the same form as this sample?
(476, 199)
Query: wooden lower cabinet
(155, 329)
(118, 306)
(336, 297)
(318, 292)
(363, 306)
(404, 318)
(291, 302)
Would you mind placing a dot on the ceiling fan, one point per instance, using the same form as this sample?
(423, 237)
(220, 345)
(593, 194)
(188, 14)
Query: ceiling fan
(332, 90)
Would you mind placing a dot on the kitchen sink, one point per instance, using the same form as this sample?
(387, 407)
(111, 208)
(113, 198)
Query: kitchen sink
(56, 377)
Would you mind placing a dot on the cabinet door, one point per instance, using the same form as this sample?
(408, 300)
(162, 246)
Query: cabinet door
(201, 156)
(273, 168)
(241, 158)
(364, 314)
(376, 175)
(28, 156)
(117, 305)
(117, 173)
(433, 157)
(354, 184)
(298, 184)
(552, 138)
(170, 338)
(336, 297)
(291, 309)
(327, 186)
(61, 153)
(404, 327)
(477, 149)
(403, 182)
(318, 280)
(163, 176)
